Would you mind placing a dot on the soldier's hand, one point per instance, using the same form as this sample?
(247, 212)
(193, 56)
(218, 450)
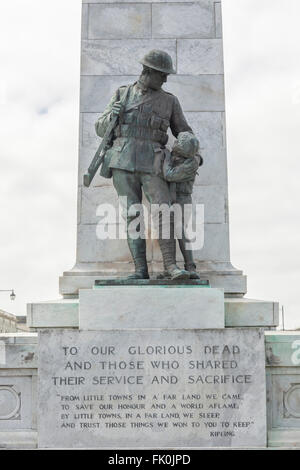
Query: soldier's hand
(199, 159)
(117, 108)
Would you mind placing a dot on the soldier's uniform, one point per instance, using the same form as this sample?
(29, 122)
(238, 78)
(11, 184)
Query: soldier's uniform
(142, 129)
(136, 155)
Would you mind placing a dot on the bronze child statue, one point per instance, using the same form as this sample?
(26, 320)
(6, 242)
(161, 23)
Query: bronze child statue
(180, 169)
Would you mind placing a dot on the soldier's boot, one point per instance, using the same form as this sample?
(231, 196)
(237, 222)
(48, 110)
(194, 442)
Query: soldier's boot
(166, 274)
(138, 252)
(168, 253)
(189, 264)
(191, 268)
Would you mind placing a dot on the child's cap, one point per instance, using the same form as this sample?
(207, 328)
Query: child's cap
(186, 144)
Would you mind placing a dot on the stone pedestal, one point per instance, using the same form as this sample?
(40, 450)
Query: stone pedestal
(64, 313)
(148, 366)
(185, 307)
(19, 370)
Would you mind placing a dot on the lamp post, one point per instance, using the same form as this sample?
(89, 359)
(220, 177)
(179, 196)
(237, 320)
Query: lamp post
(12, 295)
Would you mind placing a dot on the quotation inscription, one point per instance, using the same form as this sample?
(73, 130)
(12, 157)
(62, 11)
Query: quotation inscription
(124, 387)
(142, 411)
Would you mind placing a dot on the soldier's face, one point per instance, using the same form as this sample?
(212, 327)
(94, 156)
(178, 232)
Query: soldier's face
(156, 79)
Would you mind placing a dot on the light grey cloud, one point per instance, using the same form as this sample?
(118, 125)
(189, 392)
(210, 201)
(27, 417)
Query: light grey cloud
(40, 64)
(262, 46)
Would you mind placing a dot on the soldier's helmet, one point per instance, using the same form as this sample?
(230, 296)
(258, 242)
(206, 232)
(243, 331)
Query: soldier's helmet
(158, 60)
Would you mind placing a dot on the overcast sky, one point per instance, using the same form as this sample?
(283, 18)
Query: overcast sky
(39, 113)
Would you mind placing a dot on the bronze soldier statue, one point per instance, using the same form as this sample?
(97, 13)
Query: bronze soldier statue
(145, 112)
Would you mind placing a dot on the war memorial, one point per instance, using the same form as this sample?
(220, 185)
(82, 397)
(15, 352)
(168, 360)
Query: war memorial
(153, 343)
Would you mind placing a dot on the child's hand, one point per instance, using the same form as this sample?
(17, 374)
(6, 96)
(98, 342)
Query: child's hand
(191, 165)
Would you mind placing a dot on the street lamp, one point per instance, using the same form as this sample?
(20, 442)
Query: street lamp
(12, 293)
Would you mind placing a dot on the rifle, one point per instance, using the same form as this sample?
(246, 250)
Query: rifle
(100, 154)
(103, 147)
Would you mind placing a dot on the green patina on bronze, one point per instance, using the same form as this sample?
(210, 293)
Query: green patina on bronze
(151, 282)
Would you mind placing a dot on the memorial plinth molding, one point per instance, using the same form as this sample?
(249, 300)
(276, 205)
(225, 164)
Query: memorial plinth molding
(154, 360)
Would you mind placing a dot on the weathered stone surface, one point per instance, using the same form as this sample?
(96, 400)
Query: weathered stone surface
(84, 22)
(285, 395)
(18, 440)
(218, 19)
(90, 248)
(248, 312)
(93, 249)
(17, 395)
(18, 338)
(192, 20)
(238, 313)
(119, 21)
(213, 199)
(151, 307)
(163, 364)
(283, 348)
(200, 56)
(54, 314)
(94, 199)
(88, 273)
(209, 129)
(18, 351)
(214, 168)
(97, 91)
(232, 284)
(288, 439)
(283, 388)
(120, 57)
(215, 248)
(88, 137)
(198, 93)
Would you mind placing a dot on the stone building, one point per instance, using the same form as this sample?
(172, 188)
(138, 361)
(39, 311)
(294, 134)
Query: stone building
(10, 323)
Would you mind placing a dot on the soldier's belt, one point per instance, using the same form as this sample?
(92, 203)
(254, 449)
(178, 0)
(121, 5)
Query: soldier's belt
(142, 133)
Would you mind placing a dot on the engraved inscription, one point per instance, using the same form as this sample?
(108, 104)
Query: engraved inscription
(146, 388)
